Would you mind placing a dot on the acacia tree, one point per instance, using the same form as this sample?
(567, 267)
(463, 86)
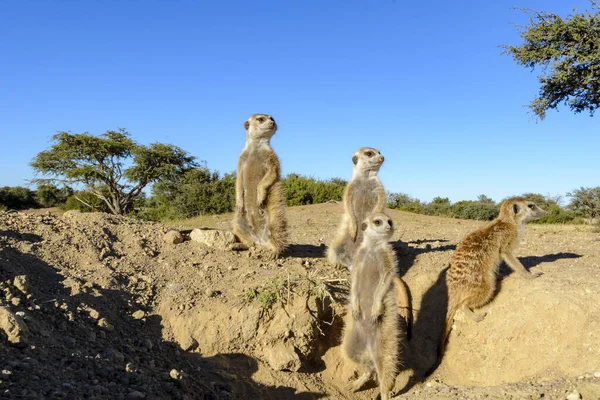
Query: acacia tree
(568, 51)
(111, 166)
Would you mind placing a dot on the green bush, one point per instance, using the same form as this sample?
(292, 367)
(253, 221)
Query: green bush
(195, 192)
(468, 209)
(301, 190)
(17, 198)
(52, 196)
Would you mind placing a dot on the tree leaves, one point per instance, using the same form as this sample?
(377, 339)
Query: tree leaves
(568, 51)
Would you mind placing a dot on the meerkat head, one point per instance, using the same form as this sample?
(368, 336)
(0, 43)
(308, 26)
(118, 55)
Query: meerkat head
(378, 228)
(520, 210)
(260, 126)
(367, 159)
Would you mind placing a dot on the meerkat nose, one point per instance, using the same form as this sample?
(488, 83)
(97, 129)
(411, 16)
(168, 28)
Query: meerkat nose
(382, 158)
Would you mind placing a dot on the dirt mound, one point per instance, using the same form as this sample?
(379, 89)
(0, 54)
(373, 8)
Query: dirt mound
(108, 309)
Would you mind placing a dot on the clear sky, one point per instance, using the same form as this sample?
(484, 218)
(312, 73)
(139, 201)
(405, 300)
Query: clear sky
(422, 81)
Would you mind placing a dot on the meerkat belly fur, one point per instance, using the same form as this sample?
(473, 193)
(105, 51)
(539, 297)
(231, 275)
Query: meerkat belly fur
(363, 195)
(472, 276)
(259, 217)
(372, 325)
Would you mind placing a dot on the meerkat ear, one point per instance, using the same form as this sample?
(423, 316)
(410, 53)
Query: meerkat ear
(354, 159)
(247, 124)
(515, 208)
(363, 226)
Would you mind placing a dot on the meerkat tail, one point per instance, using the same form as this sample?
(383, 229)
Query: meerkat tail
(403, 304)
(276, 218)
(441, 347)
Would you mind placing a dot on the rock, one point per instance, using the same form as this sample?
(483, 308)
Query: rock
(16, 301)
(597, 374)
(21, 282)
(139, 314)
(14, 327)
(216, 238)
(574, 395)
(94, 314)
(105, 252)
(136, 395)
(188, 343)
(104, 324)
(282, 357)
(174, 374)
(5, 374)
(173, 237)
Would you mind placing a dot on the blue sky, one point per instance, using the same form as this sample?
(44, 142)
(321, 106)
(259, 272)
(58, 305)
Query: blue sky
(422, 81)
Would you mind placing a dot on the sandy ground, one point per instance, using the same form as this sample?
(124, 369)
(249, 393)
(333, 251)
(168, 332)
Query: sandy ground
(109, 310)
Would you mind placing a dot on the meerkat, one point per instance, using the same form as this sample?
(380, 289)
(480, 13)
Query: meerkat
(259, 218)
(372, 330)
(363, 195)
(472, 276)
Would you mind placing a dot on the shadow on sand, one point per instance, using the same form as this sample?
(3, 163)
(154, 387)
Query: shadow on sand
(76, 359)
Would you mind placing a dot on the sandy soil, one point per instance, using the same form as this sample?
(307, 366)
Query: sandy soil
(107, 309)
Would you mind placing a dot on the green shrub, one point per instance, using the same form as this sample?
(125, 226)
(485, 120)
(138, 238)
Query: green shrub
(17, 198)
(92, 203)
(480, 210)
(196, 192)
(52, 196)
(301, 190)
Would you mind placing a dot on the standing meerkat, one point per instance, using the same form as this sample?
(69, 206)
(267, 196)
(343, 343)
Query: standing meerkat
(259, 217)
(372, 329)
(363, 195)
(472, 276)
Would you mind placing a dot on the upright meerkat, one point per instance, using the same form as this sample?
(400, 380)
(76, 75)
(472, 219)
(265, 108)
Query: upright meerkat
(363, 195)
(259, 202)
(472, 276)
(372, 330)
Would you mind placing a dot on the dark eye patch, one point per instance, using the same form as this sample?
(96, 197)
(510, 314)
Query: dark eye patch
(369, 153)
(377, 222)
(531, 206)
(260, 119)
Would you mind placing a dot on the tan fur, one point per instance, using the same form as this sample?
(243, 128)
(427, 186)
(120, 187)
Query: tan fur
(403, 304)
(363, 195)
(259, 218)
(472, 276)
(372, 330)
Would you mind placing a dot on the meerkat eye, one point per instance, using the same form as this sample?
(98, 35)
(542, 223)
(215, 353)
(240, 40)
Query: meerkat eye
(532, 206)
(377, 222)
(260, 119)
(369, 153)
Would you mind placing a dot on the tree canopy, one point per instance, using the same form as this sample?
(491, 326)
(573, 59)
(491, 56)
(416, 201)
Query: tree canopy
(111, 166)
(568, 52)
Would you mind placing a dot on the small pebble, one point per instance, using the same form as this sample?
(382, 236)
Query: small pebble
(174, 374)
(21, 282)
(104, 324)
(597, 374)
(139, 314)
(574, 395)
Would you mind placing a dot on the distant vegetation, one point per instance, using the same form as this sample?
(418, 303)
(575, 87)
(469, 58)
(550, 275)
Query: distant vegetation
(111, 170)
(486, 209)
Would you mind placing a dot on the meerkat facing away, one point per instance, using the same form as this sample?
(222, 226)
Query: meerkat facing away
(372, 329)
(472, 276)
(363, 195)
(259, 217)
